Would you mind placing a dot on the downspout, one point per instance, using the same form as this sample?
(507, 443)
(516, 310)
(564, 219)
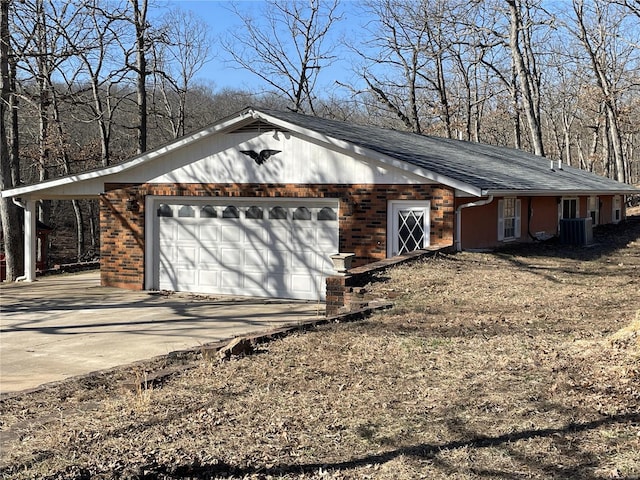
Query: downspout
(479, 203)
(29, 240)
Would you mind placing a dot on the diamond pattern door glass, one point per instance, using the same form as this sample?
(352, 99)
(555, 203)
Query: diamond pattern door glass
(410, 230)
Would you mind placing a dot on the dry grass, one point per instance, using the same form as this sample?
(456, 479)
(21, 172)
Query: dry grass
(519, 364)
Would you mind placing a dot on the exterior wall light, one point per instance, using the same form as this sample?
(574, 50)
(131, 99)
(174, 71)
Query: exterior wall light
(132, 204)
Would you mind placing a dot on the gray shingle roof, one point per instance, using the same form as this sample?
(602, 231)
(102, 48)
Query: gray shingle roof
(485, 167)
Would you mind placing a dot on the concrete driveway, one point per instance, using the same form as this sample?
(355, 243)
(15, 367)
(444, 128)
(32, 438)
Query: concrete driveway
(68, 325)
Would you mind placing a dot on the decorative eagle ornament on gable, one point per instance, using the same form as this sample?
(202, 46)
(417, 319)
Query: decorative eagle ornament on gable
(261, 157)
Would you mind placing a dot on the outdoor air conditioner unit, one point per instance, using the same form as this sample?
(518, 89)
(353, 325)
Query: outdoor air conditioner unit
(576, 231)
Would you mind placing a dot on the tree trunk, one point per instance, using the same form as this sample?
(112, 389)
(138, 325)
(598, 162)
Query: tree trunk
(140, 23)
(9, 176)
(525, 78)
(515, 101)
(599, 65)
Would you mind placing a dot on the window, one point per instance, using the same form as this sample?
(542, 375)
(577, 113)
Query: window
(408, 226)
(617, 209)
(278, 213)
(208, 211)
(327, 213)
(570, 208)
(231, 212)
(410, 230)
(593, 209)
(302, 213)
(254, 213)
(508, 219)
(164, 210)
(186, 211)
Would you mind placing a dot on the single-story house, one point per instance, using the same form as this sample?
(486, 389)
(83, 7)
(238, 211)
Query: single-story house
(257, 203)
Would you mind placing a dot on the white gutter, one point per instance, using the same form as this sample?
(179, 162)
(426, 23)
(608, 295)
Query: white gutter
(479, 203)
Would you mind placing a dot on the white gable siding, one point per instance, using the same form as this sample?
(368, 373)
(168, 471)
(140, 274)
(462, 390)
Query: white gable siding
(218, 159)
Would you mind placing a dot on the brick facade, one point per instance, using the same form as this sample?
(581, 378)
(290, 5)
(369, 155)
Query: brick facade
(362, 218)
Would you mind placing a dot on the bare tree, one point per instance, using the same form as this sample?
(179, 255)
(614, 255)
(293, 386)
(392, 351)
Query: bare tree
(392, 60)
(141, 27)
(287, 48)
(92, 43)
(526, 70)
(597, 27)
(9, 173)
(182, 50)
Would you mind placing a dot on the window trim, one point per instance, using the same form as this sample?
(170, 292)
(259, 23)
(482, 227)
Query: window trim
(393, 206)
(616, 209)
(561, 207)
(517, 224)
(596, 211)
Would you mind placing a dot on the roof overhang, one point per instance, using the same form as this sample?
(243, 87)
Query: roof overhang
(91, 184)
(370, 154)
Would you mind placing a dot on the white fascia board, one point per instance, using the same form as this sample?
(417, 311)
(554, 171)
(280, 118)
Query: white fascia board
(51, 189)
(365, 152)
(557, 193)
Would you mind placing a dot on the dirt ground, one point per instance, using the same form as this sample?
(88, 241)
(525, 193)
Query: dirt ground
(521, 363)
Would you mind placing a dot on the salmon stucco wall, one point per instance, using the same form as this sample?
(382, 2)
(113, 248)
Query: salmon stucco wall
(362, 218)
(479, 224)
(539, 218)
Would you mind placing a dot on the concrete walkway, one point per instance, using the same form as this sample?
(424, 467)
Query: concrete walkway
(62, 326)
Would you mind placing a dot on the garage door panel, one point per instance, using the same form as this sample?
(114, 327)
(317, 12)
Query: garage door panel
(278, 283)
(303, 261)
(186, 276)
(327, 237)
(254, 281)
(256, 234)
(187, 232)
(168, 253)
(209, 278)
(304, 236)
(230, 257)
(167, 276)
(278, 261)
(325, 265)
(186, 256)
(208, 234)
(167, 231)
(231, 233)
(209, 256)
(231, 279)
(278, 235)
(302, 284)
(255, 260)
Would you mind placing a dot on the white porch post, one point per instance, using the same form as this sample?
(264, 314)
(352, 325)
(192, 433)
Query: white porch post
(30, 237)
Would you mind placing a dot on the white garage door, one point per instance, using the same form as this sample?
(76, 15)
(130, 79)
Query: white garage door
(246, 247)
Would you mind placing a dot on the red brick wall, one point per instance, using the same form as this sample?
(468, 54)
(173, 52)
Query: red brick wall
(362, 232)
(121, 240)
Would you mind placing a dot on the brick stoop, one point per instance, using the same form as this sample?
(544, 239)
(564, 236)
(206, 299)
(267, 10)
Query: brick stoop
(347, 293)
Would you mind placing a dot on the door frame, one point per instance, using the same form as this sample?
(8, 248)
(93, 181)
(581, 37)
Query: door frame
(393, 207)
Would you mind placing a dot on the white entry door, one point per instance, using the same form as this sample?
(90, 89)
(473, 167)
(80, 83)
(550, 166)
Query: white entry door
(408, 226)
(246, 247)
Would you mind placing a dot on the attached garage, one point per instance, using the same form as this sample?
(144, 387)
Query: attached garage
(242, 246)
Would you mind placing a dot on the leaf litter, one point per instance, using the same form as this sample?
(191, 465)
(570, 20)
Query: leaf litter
(520, 363)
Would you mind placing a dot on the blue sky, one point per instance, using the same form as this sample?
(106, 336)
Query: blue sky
(220, 72)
